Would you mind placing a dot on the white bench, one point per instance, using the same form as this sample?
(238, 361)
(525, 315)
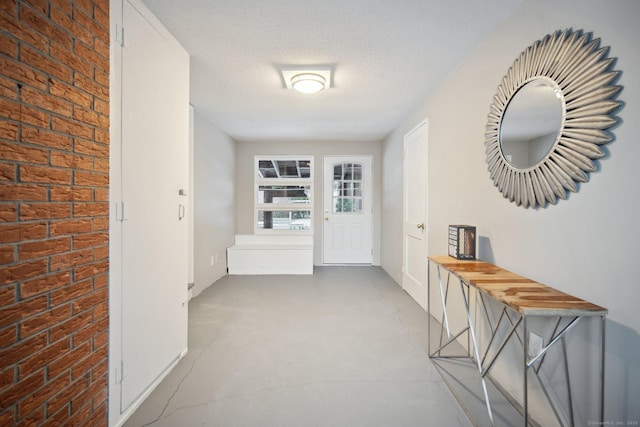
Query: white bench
(271, 254)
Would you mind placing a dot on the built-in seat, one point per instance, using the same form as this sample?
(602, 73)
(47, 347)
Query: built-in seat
(271, 254)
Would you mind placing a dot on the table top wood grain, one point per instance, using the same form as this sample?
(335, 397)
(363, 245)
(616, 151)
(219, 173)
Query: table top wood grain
(524, 295)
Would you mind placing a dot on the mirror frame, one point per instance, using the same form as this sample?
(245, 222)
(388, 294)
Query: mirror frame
(581, 69)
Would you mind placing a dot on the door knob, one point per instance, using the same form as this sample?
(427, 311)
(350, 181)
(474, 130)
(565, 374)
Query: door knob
(326, 218)
(421, 226)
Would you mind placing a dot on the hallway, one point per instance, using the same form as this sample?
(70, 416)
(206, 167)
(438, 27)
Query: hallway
(343, 347)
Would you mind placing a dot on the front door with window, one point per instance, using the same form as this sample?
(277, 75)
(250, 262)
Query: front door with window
(347, 210)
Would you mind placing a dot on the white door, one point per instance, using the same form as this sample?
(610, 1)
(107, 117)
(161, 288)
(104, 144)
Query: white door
(347, 209)
(414, 277)
(155, 132)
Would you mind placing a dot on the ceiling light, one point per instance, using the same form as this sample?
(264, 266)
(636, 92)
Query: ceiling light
(309, 79)
(308, 83)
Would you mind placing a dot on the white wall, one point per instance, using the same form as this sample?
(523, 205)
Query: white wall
(587, 245)
(245, 183)
(214, 199)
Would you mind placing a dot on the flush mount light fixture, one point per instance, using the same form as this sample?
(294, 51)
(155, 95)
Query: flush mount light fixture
(307, 80)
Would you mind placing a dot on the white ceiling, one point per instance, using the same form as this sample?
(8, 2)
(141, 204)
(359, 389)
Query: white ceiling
(387, 56)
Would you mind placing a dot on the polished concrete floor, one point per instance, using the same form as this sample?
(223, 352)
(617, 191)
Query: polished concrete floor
(344, 347)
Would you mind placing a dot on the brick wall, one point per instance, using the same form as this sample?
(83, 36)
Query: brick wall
(54, 165)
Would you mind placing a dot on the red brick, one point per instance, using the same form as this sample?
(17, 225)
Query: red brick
(89, 85)
(88, 301)
(101, 107)
(65, 362)
(8, 213)
(6, 255)
(40, 359)
(7, 295)
(62, 17)
(22, 231)
(21, 72)
(87, 22)
(100, 281)
(82, 241)
(41, 395)
(8, 172)
(84, 271)
(45, 101)
(7, 418)
(44, 248)
(100, 46)
(10, 7)
(22, 32)
(8, 88)
(71, 194)
(22, 192)
(101, 368)
(71, 127)
(91, 148)
(44, 211)
(89, 178)
(35, 418)
(56, 419)
(70, 93)
(35, 117)
(101, 253)
(8, 336)
(84, 366)
(44, 284)
(74, 324)
(85, 5)
(89, 54)
(22, 310)
(102, 339)
(11, 151)
(101, 194)
(22, 271)
(7, 378)
(67, 57)
(44, 27)
(45, 320)
(44, 175)
(90, 209)
(70, 292)
(100, 224)
(79, 386)
(10, 109)
(22, 349)
(21, 389)
(45, 64)
(46, 138)
(100, 310)
(86, 333)
(102, 136)
(71, 259)
(90, 117)
(72, 161)
(82, 413)
(41, 6)
(8, 46)
(63, 5)
(72, 226)
(8, 130)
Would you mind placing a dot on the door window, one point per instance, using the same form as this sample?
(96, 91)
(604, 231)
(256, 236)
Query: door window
(347, 188)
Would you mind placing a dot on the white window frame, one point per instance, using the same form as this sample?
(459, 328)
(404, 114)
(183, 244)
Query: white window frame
(258, 181)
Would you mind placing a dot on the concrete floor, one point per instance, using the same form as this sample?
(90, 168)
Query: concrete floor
(344, 347)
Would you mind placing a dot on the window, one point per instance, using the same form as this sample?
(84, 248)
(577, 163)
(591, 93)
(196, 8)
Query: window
(347, 188)
(283, 194)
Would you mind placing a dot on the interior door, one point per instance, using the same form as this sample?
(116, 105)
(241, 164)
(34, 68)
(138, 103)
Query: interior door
(414, 277)
(155, 132)
(348, 207)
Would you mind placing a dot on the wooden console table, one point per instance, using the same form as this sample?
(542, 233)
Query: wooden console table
(521, 299)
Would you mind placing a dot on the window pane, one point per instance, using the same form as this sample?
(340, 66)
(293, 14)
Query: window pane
(284, 220)
(284, 168)
(284, 194)
(347, 188)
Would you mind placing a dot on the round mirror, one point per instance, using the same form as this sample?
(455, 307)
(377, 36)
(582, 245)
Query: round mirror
(531, 123)
(549, 117)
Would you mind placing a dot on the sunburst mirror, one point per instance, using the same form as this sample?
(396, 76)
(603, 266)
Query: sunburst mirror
(549, 118)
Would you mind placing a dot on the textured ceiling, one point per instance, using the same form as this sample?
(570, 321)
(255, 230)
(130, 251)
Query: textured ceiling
(387, 56)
